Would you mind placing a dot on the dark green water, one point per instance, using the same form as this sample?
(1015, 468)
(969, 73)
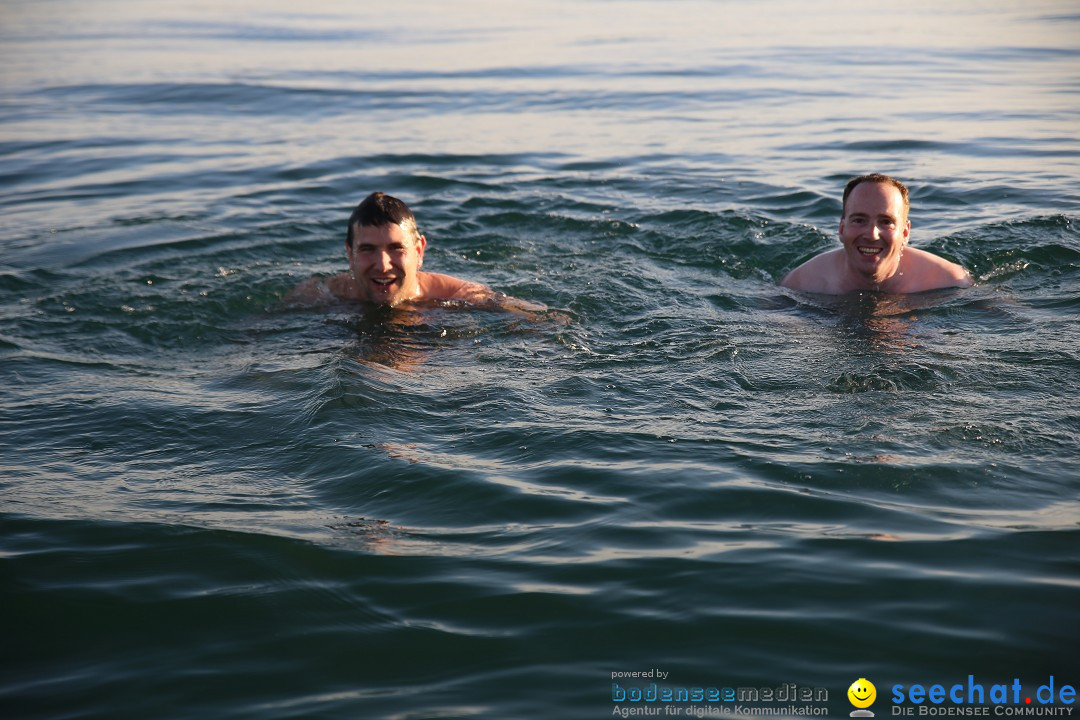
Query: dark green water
(216, 505)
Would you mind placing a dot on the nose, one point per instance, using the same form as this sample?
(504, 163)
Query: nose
(383, 262)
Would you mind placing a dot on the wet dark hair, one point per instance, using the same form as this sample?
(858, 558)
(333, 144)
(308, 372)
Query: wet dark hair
(876, 178)
(379, 209)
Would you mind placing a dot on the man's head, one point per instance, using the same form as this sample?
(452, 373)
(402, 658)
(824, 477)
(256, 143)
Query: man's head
(877, 178)
(379, 209)
(385, 250)
(874, 227)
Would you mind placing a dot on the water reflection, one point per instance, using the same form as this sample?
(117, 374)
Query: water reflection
(878, 325)
(403, 337)
(398, 338)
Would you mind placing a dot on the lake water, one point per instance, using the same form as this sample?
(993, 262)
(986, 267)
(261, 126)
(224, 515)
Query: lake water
(214, 505)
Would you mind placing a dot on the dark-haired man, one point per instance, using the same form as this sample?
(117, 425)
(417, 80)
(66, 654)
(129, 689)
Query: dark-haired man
(385, 252)
(874, 232)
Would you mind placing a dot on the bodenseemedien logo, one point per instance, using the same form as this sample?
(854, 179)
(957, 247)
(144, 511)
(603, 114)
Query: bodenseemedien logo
(862, 694)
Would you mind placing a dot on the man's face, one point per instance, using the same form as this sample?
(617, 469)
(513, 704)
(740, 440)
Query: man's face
(874, 230)
(385, 261)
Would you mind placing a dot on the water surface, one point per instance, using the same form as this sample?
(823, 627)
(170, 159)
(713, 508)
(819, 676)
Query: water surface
(217, 505)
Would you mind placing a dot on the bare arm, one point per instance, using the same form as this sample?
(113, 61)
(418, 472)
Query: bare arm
(484, 297)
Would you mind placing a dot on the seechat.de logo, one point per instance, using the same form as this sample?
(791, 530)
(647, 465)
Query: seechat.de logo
(862, 694)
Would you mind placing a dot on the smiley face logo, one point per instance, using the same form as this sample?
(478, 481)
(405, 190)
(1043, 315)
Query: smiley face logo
(862, 693)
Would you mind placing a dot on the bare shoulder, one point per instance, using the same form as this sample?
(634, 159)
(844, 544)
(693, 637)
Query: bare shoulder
(316, 290)
(308, 292)
(816, 275)
(436, 286)
(933, 272)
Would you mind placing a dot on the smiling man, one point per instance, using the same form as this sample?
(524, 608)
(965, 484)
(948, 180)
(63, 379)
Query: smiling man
(385, 252)
(874, 232)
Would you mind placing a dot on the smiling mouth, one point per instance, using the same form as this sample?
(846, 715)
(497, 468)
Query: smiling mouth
(869, 251)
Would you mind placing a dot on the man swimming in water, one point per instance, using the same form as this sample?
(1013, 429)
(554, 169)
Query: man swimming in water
(385, 252)
(874, 231)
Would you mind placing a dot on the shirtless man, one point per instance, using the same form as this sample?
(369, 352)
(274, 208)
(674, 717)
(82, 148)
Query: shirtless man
(385, 252)
(874, 231)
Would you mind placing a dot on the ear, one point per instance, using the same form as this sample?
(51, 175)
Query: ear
(421, 244)
(348, 250)
(907, 231)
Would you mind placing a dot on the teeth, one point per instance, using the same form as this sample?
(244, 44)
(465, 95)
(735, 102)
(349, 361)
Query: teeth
(869, 251)
(382, 282)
